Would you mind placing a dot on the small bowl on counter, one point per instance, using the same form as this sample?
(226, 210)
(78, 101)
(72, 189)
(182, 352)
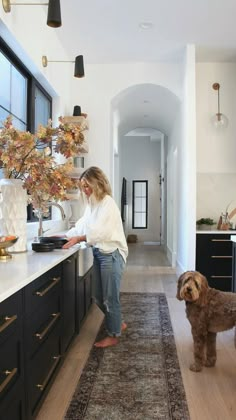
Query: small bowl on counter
(6, 242)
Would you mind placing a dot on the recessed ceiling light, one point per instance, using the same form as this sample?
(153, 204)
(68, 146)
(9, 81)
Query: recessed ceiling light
(145, 25)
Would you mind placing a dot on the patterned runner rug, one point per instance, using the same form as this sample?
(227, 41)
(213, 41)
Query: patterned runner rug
(140, 378)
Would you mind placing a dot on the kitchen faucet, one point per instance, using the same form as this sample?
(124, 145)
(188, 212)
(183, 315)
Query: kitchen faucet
(40, 216)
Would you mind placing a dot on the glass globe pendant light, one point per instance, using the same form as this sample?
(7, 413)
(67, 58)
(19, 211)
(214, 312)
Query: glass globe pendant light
(219, 120)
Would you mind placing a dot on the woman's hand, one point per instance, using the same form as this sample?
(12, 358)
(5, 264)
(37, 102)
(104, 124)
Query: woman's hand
(72, 241)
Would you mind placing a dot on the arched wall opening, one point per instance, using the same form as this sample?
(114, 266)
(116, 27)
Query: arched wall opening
(142, 120)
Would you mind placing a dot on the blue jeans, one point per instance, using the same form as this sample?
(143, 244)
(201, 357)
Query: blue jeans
(107, 273)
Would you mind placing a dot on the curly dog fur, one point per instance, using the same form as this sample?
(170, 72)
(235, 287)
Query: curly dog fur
(209, 311)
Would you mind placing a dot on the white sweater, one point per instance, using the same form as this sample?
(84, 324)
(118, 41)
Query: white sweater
(102, 225)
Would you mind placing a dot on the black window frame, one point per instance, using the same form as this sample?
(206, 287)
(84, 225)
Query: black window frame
(133, 204)
(32, 84)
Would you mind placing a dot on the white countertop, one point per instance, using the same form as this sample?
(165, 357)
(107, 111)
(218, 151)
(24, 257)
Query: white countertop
(23, 268)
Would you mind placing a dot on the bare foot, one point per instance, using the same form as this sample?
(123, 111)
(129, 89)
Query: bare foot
(123, 326)
(107, 342)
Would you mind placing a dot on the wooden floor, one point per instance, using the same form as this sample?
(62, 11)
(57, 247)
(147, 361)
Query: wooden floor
(211, 394)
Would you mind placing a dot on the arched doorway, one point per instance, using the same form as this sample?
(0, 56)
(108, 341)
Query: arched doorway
(142, 121)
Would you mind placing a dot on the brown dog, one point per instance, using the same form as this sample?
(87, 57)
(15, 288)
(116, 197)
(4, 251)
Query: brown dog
(209, 311)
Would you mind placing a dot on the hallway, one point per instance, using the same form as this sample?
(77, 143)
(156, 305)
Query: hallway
(210, 394)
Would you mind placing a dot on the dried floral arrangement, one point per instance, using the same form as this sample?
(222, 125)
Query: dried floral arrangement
(31, 158)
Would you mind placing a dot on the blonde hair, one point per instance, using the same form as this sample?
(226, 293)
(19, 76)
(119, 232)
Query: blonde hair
(97, 180)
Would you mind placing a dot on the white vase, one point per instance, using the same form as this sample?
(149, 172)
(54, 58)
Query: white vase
(13, 212)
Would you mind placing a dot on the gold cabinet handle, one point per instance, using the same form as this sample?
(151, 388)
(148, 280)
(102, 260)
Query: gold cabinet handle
(221, 256)
(68, 261)
(8, 321)
(44, 384)
(43, 292)
(9, 375)
(41, 335)
(221, 240)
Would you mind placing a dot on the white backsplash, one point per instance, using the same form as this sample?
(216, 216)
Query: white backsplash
(214, 192)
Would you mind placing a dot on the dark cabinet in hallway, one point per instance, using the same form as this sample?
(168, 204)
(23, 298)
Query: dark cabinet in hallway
(214, 259)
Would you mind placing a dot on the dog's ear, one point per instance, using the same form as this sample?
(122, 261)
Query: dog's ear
(203, 289)
(179, 285)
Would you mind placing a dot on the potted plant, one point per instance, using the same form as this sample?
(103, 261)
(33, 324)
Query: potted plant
(31, 171)
(205, 223)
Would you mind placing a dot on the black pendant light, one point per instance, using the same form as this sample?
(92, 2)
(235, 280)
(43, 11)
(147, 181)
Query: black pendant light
(54, 10)
(77, 111)
(54, 14)
(79, 66)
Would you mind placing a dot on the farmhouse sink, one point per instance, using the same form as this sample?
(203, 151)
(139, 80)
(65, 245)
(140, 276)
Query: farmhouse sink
(85, 259)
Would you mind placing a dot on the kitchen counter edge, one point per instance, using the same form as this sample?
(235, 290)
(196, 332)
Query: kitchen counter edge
(23, 268)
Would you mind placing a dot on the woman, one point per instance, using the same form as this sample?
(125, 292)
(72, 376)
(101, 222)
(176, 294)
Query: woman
(101, 226)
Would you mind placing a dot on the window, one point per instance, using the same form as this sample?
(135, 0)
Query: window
(22, 97)
(140, 205)
(13, 93)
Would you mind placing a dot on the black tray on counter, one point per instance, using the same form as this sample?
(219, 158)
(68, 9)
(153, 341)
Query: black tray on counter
(57, 241)
(38, 247)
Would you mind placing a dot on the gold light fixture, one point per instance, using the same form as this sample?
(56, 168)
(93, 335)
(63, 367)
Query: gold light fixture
(54, 10)
(79, 64)
(219, 120)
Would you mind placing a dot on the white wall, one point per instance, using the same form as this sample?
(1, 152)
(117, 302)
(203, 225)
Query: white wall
(103, 83)
(187, 167)
(216, 150)
(182, 142)
(140, 159)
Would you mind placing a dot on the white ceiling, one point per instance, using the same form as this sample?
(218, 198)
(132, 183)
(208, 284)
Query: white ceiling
(108, 31)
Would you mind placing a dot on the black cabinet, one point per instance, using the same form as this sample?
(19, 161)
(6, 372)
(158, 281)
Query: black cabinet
(37, 325)
(42, 327)
(83, 297)
(88, 289)
(214, 259)
(234, 267)
(42, 369)
(12, 397)
(13, 404)
(69, 271)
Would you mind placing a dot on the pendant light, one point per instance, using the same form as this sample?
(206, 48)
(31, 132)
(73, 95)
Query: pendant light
(219, 120)
(54, 10)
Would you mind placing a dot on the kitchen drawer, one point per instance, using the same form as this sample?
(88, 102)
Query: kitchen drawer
(220, 246)
(10, 314)
(223, 283)
(214, 259)
(11, 363)
(13, 406)
(39, 325)
(41, 370)
(41, 289)
(221, 265)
